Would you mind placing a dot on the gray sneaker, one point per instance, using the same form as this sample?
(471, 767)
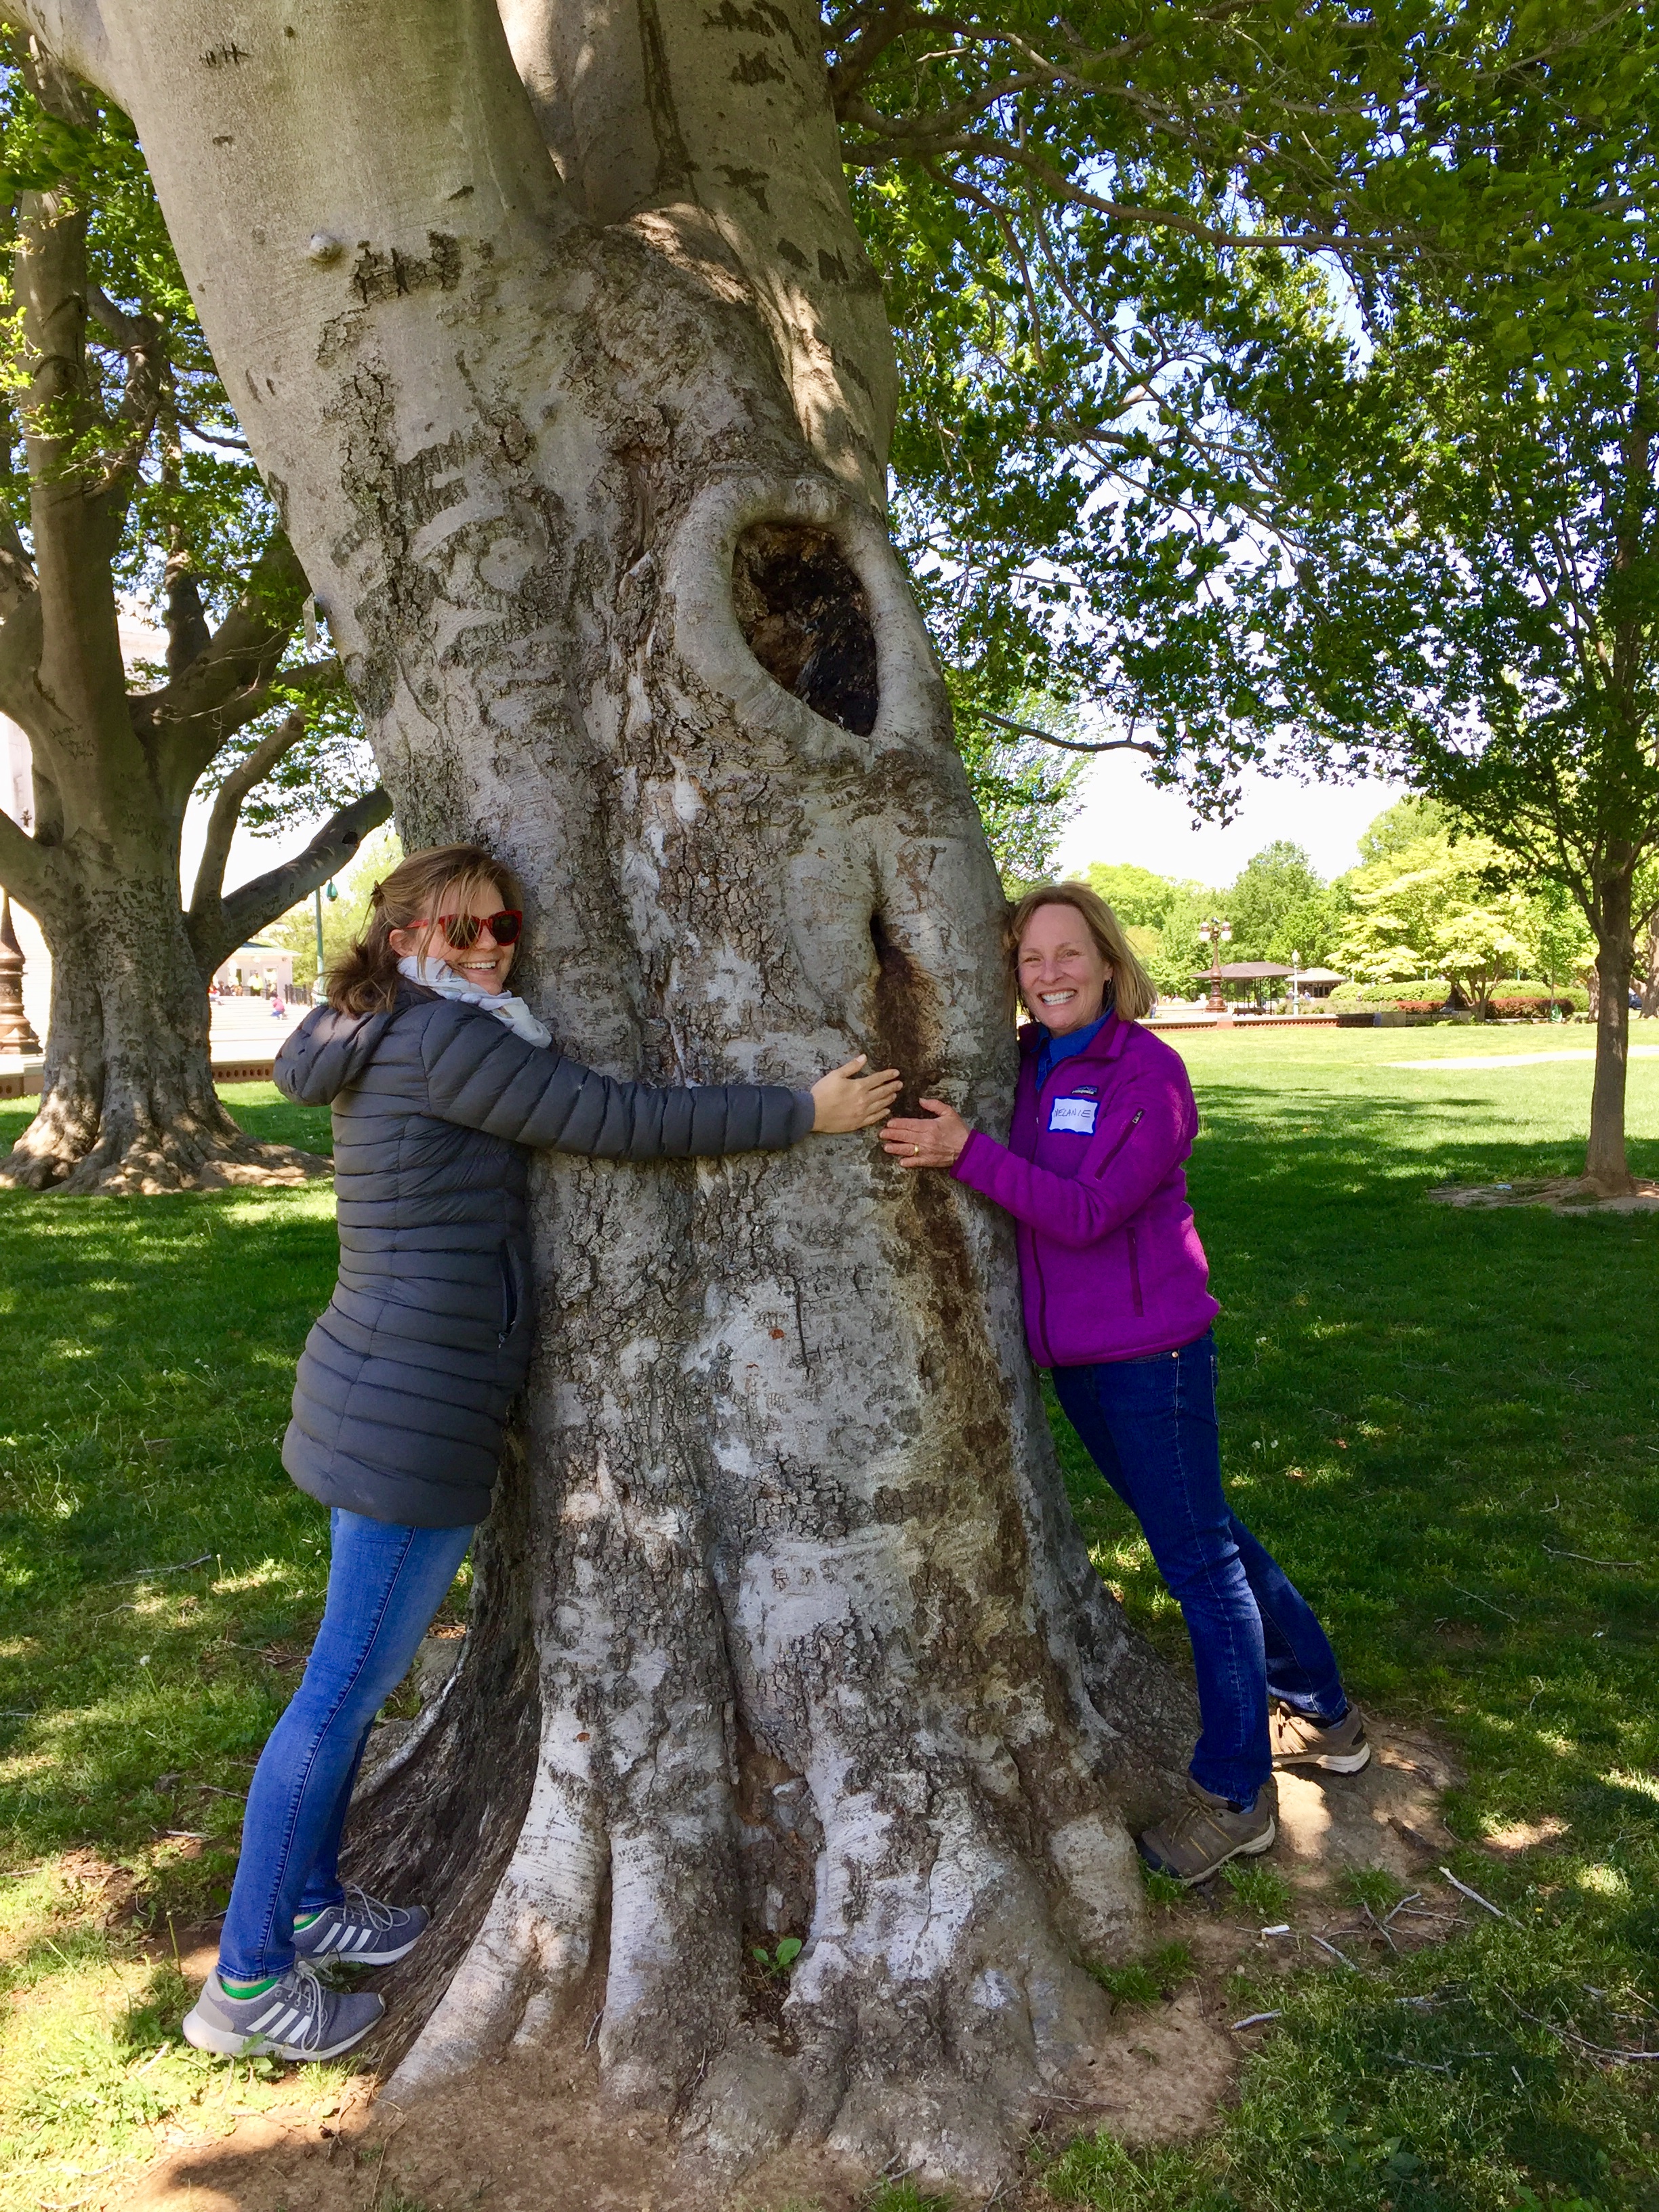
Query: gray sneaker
(1205, 1831)
(297, 2019)
(1298, 1741)
(362, 1931)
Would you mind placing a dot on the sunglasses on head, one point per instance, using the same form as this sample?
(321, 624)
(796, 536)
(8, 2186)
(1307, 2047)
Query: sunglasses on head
(462, 929)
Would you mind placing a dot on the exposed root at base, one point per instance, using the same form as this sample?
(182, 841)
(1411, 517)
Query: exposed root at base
(1560, 1193)
(536, 2127)
(147, 1172)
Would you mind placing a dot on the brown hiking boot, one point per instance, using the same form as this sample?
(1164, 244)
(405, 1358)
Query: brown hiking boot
(1341, 1748)
(1205, 1831)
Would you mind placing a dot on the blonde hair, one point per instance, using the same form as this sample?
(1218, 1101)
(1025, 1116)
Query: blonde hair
(365, 981)
(1133, 992)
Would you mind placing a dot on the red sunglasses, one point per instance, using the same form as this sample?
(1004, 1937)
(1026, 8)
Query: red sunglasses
(462, 929)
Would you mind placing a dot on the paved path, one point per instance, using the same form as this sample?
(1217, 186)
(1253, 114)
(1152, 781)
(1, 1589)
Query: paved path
(1518, 1059)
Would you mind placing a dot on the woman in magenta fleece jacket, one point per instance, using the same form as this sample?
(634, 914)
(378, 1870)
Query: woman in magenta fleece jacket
(1118, 1304)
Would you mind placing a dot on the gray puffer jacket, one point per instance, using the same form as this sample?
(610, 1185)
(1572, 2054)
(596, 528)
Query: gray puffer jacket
(404, 1382)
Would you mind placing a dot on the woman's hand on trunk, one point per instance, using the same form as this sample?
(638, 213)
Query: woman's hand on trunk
(844, 1099)
(934, 1143)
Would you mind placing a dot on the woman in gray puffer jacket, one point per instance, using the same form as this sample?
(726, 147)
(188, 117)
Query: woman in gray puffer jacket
(442, 1083)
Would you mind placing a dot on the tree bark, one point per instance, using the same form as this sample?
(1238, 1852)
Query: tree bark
(1606, 1166)
(784, 1623)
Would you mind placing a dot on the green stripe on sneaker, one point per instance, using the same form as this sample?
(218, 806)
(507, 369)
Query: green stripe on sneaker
(241, 1991)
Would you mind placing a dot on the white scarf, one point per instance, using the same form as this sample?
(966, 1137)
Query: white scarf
(437, 975)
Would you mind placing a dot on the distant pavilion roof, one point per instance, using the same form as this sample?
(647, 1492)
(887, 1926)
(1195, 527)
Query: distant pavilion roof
(1248, 971)
(1322, 975)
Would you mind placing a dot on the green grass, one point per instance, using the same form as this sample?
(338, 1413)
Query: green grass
(1423, 1408)
(1417, 1401)
(1143, 1981)
(150, 1347)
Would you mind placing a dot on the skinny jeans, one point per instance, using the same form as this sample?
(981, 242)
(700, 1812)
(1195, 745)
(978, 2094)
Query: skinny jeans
(385, 1583)
(1150, 1426)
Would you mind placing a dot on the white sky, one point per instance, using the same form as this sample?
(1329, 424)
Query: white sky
(1124, 818)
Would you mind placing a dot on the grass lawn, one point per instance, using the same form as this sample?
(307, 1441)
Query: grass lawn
(1425, 1411)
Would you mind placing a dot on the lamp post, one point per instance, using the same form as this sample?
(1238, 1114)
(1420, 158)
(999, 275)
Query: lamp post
(317, 989)
(1295, 982)
(1215, 933)
(15, 1034)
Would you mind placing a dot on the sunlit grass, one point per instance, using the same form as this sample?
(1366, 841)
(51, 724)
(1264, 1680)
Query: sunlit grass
(1423, 1409)
(1416, 1402)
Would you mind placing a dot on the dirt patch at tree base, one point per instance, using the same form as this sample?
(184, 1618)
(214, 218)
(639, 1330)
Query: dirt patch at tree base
(528, 2131)
(1560, 1193)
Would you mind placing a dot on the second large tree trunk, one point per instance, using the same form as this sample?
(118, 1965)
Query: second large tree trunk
(784, 1625)
(127, 1102)
(1606, 1164)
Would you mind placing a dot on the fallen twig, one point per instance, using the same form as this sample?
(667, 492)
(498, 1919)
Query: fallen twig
(1487, 1601)
(1255, 2020)
(1485, 1903)
(1581, 2042)
(145, 1574)
(1398, 2058)
(1584, 1558)
(1381, 1926)
(1332, 1948)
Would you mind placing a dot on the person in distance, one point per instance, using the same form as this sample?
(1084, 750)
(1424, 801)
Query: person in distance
(1117, 1303)
(442, 1083)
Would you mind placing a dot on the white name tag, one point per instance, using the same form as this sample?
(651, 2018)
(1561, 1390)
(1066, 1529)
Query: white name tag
(1077, 1115)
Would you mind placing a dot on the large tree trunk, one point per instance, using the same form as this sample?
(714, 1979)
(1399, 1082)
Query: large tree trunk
(784, 1624)
(127, 1102)
(1606, 1166)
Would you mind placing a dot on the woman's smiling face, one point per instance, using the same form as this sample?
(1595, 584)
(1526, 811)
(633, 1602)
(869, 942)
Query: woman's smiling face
(484, 963)
(1062, 973)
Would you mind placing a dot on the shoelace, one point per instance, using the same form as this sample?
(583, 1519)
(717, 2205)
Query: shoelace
(311, 1999)
(379, 1916)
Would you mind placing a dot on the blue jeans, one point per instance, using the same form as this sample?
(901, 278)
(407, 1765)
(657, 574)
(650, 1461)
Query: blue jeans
(385, 1583)
(1149, 1427)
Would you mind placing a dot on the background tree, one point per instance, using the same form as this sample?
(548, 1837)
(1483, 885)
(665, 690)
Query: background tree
(1281, 906)
(1476, 560)
(124, 482)
(1433, 906)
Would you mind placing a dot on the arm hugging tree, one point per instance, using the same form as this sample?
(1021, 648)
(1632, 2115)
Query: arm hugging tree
(113, 468)
(570, 379)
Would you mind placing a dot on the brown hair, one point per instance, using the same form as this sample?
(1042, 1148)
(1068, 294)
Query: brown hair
(1134, 992)
(366, 981)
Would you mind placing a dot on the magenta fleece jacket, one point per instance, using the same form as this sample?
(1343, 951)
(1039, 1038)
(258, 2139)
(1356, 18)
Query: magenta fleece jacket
(1094, 1173)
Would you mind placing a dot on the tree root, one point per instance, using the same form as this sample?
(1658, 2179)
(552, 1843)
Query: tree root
(148, 1167)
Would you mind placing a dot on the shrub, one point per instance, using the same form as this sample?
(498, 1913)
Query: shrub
(1424, 994)
(1518, 1000)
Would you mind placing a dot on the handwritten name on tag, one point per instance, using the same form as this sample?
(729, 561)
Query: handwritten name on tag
(1077, 1115)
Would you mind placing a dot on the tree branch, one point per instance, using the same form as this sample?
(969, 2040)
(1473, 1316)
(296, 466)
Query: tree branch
(29, 870)
(224, 686)
(72, 31)
(21, 636)
(132, 333)
(208, 894)
(213, 939)
(188, 634)
(1065, 744)
(17, 581)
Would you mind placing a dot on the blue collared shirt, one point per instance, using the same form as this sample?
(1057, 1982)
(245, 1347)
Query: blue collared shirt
(1053, 1049)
